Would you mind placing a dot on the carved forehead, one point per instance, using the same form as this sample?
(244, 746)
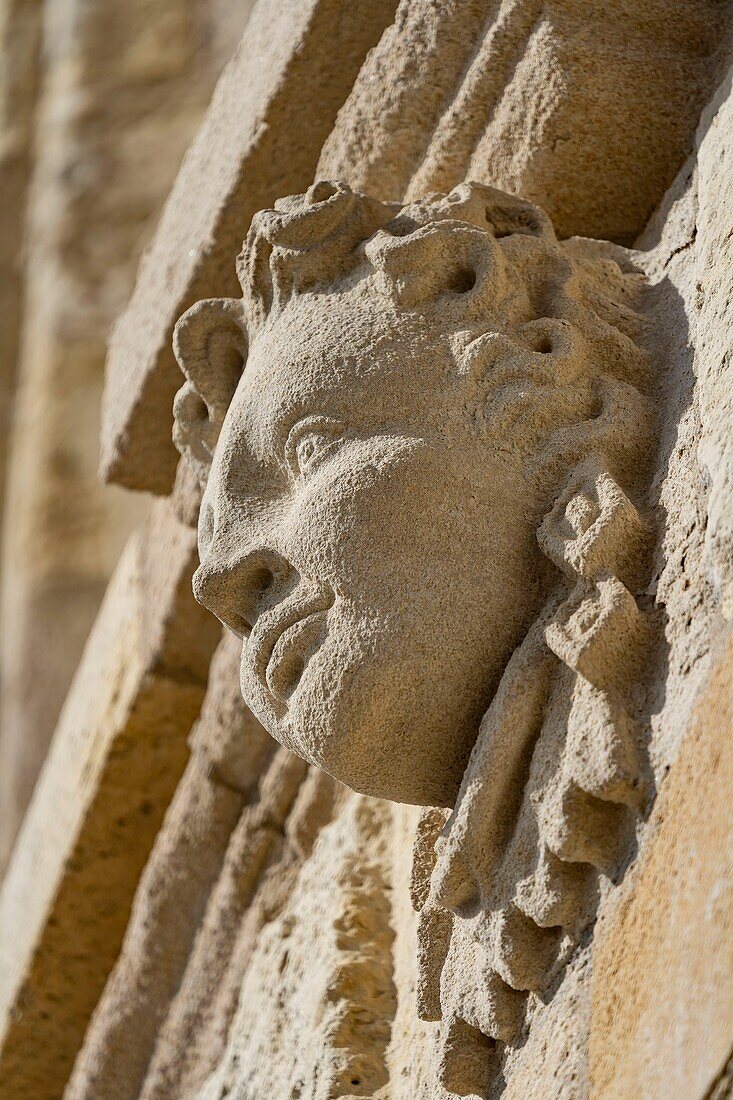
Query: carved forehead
(353, 330)
(349, 357)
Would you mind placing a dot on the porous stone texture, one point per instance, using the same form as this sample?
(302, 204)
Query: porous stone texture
(242, 824)
(120, 95)
(352, 488)
(587, 109)
(466, 517)
(173, 891)
(326, 1023)
(287, 405)
(674, 925)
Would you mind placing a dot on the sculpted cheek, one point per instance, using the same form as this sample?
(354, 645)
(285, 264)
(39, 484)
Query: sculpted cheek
(350, 512)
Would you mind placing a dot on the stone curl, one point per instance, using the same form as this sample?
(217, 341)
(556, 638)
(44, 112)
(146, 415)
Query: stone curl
(545, 326)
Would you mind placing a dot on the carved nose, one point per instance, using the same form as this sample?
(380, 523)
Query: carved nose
(238, 592)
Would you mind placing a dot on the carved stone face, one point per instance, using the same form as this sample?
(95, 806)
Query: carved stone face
(416, 382)
(373, 550)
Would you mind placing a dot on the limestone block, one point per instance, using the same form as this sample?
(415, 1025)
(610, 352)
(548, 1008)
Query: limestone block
(273, 838)
(662, 1006)
(322, 1030)
(714, 338)
(174, 889)
(377, 335)
(117, 756)
(261, 138)
(588, 109)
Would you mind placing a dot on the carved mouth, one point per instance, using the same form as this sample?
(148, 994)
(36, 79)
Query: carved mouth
(283, 641)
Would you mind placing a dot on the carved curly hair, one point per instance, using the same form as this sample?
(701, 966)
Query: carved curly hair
(548, 325)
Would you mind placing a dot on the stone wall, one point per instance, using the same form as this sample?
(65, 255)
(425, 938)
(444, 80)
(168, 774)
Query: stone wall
(193, 911)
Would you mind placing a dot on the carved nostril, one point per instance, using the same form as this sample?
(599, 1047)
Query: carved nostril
(238, 591)
(262, 581)
(257, 591)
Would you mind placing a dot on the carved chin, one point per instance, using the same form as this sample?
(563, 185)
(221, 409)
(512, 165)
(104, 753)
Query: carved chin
(348, 714)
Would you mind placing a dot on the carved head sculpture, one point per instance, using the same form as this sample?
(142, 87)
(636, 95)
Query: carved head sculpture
(383, 421)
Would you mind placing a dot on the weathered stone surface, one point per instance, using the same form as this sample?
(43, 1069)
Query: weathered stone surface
(262, 136)
(564, 931)
(350, 308)
(335, 468)
(662, 1010)
(714, 337)
(231, 846)
(326, 1023)
(116, 758)
(586, 109)
(273, 837)
(520, 873)
(230, 750)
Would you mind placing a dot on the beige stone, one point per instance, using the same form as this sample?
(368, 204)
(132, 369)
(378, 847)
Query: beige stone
(331, 494)
(662, 1012)
(322, 1031)
(121, 95)
(355, 495)
(586, 109)
(493, 465)
(20, 40)
(173, 891)
(116, 758)
(714, 255)
(550, 801)
(236, 833)
(445, 94)
(282, 81)
(273, 837)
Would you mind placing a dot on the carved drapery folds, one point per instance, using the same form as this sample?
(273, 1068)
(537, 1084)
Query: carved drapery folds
(551, 336)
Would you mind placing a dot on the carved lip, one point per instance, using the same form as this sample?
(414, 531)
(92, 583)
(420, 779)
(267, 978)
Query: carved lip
(283, 640)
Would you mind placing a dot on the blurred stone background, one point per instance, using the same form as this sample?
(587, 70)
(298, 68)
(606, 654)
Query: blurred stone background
(98, 103)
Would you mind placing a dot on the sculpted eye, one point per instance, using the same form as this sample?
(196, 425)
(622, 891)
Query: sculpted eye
(309, 442)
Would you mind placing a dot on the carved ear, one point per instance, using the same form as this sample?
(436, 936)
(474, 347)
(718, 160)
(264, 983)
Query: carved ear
(210, 346)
